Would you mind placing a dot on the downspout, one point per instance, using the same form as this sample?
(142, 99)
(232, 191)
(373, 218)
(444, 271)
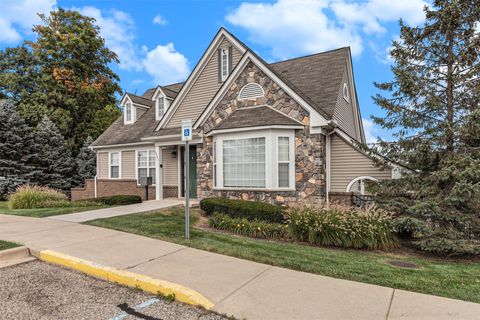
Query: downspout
(96, 176)
(330, 129)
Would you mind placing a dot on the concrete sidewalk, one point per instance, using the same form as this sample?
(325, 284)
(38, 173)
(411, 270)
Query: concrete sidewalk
(237, 287)
(121, 210)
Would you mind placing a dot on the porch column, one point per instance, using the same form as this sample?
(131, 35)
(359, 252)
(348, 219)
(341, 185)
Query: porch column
(159, 174)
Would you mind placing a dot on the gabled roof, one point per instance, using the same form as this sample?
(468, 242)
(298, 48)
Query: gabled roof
(256, 117)
(316, 76)
(140, 100)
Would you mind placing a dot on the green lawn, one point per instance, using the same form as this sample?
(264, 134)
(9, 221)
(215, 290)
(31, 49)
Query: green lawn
(7, 245)
(44, 212)
(460, 280)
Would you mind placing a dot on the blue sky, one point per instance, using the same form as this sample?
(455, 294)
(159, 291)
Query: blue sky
(161, 41)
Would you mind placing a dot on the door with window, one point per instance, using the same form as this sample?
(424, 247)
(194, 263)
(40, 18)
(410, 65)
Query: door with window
(192, 166)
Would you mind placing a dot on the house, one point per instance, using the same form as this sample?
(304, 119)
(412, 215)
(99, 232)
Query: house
(283, 132)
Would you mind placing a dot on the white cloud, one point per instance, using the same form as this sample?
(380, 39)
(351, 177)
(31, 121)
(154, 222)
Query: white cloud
(159, 20)
(371, 131)
(17, 17)
(118, 30)
(293, 27)
(165, 64)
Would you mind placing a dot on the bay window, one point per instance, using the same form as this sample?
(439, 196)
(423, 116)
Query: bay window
(146, 164)
(262, 159)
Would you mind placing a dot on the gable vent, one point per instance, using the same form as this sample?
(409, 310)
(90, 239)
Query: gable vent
(251, 91)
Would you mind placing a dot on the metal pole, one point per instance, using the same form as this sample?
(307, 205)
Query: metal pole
(187, 190)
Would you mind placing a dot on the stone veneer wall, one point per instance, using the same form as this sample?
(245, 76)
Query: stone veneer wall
(309, 148)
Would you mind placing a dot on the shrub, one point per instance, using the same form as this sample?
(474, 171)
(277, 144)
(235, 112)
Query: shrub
(28, 197)
(116, 200)
(66, 204)
(255, 228)
(408, 227)
(444, 246)
(243, 209)
(342, 227)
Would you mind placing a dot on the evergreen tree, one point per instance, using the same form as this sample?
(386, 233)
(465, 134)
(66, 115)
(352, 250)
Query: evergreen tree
(65, 75)
(15, 139)
(51, 158)
(433, 103)
(86, 162)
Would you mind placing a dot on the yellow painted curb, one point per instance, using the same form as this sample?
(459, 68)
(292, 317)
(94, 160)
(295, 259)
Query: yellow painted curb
(128, 278)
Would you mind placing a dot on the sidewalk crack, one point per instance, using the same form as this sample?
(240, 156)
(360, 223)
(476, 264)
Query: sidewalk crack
(153, 259)
(390, 305)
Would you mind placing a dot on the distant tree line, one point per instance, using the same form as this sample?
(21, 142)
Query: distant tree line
(57, 94)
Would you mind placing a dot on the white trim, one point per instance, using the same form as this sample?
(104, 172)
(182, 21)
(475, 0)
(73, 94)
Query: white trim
(224, 52)
(119, 165)
(177, 142)
(159, 173)
(353, 99)
(252, 97)
(267, 127)
(328, 176)
(208, 54)
(357, 179)
(345, 92)
(148, 164)
(133, 112)
(316, 119)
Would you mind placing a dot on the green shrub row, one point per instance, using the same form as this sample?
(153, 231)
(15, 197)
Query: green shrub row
(116, 200)
(342, 227)
(28, 197)
(255, 228)
(249, 210)
(447, 247)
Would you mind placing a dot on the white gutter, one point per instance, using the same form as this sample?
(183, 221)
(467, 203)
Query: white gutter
(119, 145)
(332, 125)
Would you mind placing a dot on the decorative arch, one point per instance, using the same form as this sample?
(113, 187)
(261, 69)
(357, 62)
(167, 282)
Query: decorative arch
(251, 91)
(362, 186)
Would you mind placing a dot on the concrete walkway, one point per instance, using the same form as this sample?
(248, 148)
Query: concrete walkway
(237, 287)
(121, 210)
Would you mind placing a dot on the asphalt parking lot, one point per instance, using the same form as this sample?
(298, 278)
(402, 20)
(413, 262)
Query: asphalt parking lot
(37, 290)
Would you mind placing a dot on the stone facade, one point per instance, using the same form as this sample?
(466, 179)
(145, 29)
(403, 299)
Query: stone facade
(109, 187)
(309, 148)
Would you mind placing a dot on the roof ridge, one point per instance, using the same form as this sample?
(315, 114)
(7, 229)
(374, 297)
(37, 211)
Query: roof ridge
(311, 55)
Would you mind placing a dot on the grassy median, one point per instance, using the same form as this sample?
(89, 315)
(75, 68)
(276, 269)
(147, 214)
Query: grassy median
(44, 212)
(7, 245)
(459, 280)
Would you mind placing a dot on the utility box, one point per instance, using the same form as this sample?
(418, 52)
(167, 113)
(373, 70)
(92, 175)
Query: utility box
(145, 181)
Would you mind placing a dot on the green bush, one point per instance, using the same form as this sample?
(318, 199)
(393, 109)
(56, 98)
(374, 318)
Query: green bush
(255, 228)
(342, 227)
(28, 197)
(244, 209)
(408, 227)
(444, 246)
(116, 200)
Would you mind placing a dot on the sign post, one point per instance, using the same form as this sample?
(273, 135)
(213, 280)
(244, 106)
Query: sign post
(187, 136)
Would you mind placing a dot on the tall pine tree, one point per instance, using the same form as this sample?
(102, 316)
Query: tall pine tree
(15, 142)
(51, 158)
(433, 104)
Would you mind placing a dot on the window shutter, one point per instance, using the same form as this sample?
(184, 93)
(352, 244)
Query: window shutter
(229, 60)
(219, 54)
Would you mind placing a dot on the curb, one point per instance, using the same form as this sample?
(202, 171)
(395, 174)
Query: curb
(127, 278)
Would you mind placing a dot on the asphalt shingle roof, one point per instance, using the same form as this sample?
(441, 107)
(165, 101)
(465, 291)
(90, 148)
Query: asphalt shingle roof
(254, 117)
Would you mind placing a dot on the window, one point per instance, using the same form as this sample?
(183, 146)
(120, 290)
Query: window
(346, 96)
(283, 162)
(146, 164)
(214, 164)
(251, 91)
(244, 163)
(224, 63)
(128, 112)
(160, 107)
(114, 165)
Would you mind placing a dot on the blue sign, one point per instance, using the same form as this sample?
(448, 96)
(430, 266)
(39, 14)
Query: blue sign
(186, 130)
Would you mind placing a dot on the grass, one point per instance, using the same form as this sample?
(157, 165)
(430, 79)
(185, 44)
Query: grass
(44, 212)
(459, 280)
(7, 245)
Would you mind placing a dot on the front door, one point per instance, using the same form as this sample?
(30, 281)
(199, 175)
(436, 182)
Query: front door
(192, 166)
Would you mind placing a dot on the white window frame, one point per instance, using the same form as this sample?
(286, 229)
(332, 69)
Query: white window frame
(271, 157)
(157, 106)
(346, 94)
(119, 164)
(148, 167)
(133, 112)
(224, 64)
(289, 161)
(214, 160)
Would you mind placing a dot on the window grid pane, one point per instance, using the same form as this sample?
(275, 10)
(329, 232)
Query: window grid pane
(283, 162)
(114, 159)
(160, 107)
(283, 175)
(244, 163)
(114, 172)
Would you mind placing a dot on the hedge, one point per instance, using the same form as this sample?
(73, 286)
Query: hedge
(243, 209)
(116, 200)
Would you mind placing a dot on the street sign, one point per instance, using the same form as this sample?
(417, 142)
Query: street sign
(187, 136)
(186, 130)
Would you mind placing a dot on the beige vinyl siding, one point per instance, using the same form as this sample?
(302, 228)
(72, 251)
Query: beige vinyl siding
(344, 113)
(128, 164)
(203, 89)
(170, 167)
(347, 163)
(103, 165)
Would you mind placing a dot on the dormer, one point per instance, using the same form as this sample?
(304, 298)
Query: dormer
(129, 111)
(162, 102)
